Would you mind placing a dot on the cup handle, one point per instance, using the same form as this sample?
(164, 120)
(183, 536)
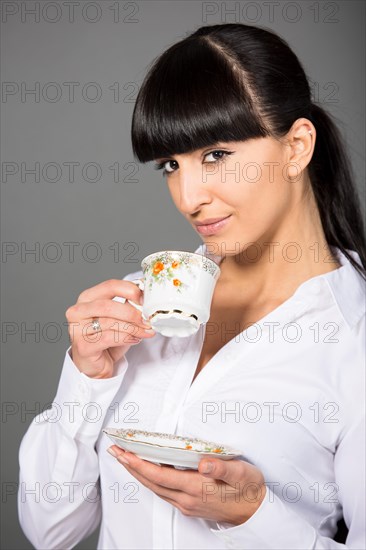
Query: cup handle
(141, 285)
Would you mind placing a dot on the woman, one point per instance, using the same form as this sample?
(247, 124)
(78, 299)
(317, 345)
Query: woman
(277, 372)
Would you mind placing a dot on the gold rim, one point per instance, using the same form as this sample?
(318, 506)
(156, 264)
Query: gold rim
(147, 260)
(165, 312)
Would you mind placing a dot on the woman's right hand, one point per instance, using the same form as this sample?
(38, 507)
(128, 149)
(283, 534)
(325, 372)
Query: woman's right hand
(95, 353)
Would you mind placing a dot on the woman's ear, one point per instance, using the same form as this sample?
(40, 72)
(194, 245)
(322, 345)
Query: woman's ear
(300, 140)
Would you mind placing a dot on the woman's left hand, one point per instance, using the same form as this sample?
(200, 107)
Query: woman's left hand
(230, 492)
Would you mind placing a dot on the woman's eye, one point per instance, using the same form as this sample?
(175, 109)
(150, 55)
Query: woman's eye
(217, 155)
(171, 165)
(167, 165)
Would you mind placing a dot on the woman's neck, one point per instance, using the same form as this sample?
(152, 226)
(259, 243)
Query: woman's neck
(297, 252)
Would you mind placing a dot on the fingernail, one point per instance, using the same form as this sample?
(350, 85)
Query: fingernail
(123, 459)
(119, 456)
(207, 468)
(146, 323)
(112, 452)
(149, 330)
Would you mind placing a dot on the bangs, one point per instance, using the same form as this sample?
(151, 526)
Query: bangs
(192, 97)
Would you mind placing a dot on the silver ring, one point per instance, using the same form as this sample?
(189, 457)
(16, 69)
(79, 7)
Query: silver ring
(96, 325)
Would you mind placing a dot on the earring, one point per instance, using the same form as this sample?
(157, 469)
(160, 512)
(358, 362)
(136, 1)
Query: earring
(310, 131)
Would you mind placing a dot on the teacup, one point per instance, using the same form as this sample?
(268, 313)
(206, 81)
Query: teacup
(177, 291)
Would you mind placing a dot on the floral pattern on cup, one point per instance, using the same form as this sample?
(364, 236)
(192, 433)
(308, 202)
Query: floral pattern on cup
(163, 269)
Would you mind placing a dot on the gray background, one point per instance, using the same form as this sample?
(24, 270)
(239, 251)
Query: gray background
(114, 51)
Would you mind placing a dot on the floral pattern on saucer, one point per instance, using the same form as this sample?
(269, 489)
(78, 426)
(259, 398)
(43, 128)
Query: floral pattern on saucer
(182, 452)
(173, 441)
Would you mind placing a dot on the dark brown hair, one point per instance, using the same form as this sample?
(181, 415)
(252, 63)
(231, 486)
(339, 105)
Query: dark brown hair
(233, 82)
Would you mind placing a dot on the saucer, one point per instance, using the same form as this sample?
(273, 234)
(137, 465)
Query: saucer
(175, 450)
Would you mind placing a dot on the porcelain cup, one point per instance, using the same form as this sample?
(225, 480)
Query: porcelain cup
(177, 291)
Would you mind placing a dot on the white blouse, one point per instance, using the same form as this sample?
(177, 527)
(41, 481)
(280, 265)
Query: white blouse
(288, 392)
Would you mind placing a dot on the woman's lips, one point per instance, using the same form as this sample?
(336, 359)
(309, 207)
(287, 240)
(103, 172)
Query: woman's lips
(212, 228)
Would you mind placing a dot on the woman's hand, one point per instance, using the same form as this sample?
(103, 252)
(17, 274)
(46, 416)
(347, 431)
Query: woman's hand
(230, 492)
(95, 353)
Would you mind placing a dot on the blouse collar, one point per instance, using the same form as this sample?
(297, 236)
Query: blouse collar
(347, 287)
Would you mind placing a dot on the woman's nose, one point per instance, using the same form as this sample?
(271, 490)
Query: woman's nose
(193, 192)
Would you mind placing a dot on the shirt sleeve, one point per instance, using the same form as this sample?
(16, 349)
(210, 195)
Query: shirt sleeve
(58, 496)
(275, 525)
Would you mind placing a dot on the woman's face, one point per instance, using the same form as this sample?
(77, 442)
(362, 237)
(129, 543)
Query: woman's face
(246, 182)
